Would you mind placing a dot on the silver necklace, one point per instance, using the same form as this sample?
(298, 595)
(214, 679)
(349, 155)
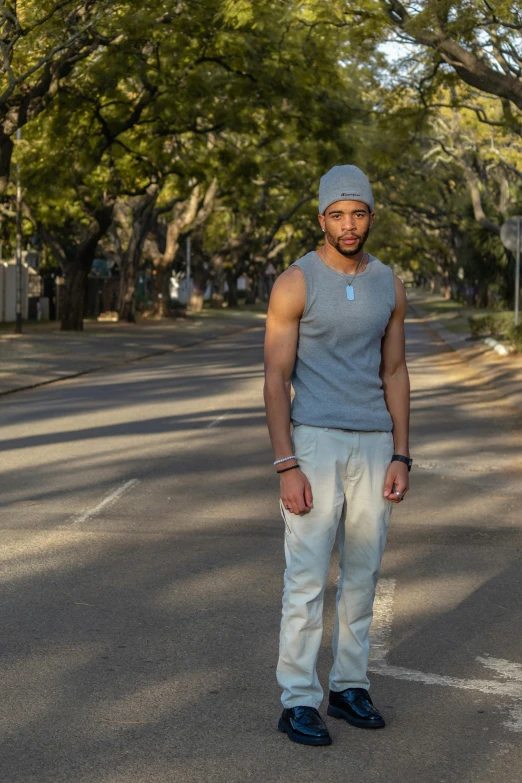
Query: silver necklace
(350, 293)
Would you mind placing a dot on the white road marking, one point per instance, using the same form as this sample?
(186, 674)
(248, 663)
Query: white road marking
(484, 686)
(515, 721)
(216, 421)
(506, 669)
(111, 498)
(380, 635)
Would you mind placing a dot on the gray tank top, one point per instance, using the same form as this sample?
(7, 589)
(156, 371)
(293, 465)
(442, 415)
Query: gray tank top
(336, 374)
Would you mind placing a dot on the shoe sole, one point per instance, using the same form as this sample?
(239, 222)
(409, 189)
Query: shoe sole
(300, 738)
(335, 712)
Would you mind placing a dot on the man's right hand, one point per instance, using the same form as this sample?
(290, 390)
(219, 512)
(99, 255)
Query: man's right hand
(296, 492)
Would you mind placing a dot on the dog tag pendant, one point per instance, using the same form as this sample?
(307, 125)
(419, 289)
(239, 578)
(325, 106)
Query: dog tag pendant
(350, 294)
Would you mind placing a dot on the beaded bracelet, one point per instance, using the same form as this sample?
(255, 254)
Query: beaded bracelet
(285, 459)
(285, 469)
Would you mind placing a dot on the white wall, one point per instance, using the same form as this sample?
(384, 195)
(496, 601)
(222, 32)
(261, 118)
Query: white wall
(2, 290)
(8, 291)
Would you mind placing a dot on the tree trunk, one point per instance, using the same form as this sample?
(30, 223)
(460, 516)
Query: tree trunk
(6, 152)
(230, 275)
(200, 273)
(183, 215)
(127, 303)
(482, 294)
(252, 285)
(187, 216)
(142, 215)
(74, 297)
(196, 301)
(77, 265)
(161, 287)
(445, 287)
(216, 299)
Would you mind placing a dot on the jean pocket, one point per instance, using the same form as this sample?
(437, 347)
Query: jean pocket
(302, 436)
(389, 441)
(283, 514)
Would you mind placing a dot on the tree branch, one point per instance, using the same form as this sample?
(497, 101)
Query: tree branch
(472, 70)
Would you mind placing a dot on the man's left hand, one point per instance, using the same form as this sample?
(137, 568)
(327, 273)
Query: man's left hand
(397, 480)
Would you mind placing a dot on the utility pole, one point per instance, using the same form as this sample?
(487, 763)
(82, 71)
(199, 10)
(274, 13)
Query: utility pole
(517, 273)
(18, 325)
(187, 271)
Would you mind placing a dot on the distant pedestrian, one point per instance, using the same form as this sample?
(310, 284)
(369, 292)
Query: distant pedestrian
(335, 332)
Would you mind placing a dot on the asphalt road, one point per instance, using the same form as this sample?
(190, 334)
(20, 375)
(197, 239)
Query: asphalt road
(142, 569)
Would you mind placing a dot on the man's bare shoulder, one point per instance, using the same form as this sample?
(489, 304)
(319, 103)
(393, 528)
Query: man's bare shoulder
(290, 276)
(289, 293)
(401, 300)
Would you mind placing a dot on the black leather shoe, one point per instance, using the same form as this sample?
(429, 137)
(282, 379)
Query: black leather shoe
(304, 725)
(355, 706)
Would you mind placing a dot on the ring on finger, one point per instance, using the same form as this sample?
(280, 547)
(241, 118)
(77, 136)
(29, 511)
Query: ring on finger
(400, 495)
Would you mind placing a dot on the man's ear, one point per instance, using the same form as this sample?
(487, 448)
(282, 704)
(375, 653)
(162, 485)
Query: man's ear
(321, 220)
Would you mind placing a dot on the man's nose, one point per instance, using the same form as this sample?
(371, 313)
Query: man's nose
(348, 223)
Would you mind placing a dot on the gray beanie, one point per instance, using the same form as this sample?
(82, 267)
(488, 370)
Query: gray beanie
(344, 183)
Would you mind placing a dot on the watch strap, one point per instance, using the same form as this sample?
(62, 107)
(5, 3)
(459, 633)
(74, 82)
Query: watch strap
(400, 458)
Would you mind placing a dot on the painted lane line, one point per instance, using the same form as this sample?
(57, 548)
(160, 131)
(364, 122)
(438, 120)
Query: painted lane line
(216, 421)
(515, 721)
(506, 669)
(111, 498)
(380, 634)
(484, 686)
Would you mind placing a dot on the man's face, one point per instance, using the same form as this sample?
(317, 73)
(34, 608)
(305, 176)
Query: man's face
(347, 225)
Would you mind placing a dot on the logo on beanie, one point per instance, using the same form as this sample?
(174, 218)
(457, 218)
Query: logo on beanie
(350, 194)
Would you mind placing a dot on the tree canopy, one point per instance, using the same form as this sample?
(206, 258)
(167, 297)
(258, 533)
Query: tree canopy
(145, 123)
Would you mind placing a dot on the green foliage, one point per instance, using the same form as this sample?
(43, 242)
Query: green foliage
(498, 325)
(494, 324)
(264, 97)
(515, 335)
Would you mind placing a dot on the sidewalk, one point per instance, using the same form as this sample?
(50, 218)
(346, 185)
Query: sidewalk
(43, 354)
(502, 372)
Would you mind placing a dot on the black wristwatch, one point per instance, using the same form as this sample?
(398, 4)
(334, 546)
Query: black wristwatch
(407, 460)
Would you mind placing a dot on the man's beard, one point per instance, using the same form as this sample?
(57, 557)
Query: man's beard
(345, 251)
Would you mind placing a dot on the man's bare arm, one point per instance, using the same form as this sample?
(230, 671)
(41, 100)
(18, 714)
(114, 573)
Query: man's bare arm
(287, 302)
(396, 385)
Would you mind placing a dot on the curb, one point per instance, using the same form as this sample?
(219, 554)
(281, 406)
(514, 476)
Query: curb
(497, 378)
(442, 332)
(124, 362)
(498, 347)
(433, 326)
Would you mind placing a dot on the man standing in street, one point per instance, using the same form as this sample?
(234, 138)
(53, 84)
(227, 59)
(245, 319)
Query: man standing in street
(335, 332)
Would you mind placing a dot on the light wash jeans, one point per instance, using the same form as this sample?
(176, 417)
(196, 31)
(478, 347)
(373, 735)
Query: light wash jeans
(347, 471)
